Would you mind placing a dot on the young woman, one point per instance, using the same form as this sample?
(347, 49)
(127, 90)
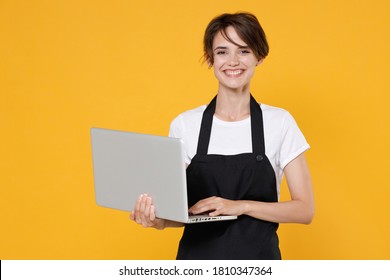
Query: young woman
(237, 151)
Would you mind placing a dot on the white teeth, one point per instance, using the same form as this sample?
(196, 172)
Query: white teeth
(233, 72)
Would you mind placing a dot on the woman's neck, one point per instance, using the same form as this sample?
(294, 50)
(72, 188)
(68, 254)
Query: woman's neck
(233, 106)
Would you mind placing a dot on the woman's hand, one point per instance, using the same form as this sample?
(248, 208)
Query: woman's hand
(299, 209)
(216, 206)
(144, 213)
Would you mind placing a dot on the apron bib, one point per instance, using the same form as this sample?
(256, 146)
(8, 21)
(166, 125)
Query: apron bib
(247, 176)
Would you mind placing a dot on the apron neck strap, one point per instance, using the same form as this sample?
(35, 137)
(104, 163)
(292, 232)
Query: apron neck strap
(205, 128)
(256, 127)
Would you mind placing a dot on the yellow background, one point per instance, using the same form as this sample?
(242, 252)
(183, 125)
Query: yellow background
(66, 66)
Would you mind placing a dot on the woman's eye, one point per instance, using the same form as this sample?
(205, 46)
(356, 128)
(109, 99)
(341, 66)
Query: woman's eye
(245, 51)
(220, 52)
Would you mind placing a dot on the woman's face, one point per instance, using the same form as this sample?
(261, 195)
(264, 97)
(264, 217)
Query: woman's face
(234, 66)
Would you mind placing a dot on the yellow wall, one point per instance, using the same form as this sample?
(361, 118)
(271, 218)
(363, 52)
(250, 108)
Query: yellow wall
(66, 66)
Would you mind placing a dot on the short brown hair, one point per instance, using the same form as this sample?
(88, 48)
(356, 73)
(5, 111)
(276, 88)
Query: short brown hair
(247, 27)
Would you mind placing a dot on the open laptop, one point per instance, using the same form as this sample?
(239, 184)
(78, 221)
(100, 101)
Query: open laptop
(127, 164)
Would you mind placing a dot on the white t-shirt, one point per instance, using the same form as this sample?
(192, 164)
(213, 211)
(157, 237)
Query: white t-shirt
(283, 139)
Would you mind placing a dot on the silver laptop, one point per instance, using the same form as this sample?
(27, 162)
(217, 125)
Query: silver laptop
(127, 164)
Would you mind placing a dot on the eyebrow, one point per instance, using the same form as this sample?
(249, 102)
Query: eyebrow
(220, 48)
(225, 48)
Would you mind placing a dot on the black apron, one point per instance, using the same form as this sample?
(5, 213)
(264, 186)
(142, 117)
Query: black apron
(247, 176)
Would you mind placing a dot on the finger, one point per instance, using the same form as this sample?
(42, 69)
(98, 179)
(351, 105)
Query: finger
(143, 208)
(138, 209)
(148, 203)
(205, 205)
(152, 210)
(199, 204)
(201, 208)
(152, 213)
(217, 212)
(198, 208)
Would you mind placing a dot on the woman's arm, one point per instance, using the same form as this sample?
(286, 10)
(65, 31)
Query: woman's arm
(300, 209)
(144, 213)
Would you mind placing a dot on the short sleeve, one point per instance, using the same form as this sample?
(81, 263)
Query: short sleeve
(293, 142)
(177, 130)
(174, 130)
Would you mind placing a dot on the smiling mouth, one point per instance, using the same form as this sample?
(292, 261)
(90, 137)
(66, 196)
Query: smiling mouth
(234, 73)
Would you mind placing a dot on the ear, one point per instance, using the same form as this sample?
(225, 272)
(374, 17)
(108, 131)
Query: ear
(260, 61)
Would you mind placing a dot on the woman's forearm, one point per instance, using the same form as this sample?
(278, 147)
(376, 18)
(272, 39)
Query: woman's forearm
(172, 224)
(293, 211)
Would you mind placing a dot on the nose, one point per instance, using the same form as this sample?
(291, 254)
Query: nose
(233, 60)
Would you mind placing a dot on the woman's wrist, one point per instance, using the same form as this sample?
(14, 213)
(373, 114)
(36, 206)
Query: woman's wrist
(245, 207)
(160, 224)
